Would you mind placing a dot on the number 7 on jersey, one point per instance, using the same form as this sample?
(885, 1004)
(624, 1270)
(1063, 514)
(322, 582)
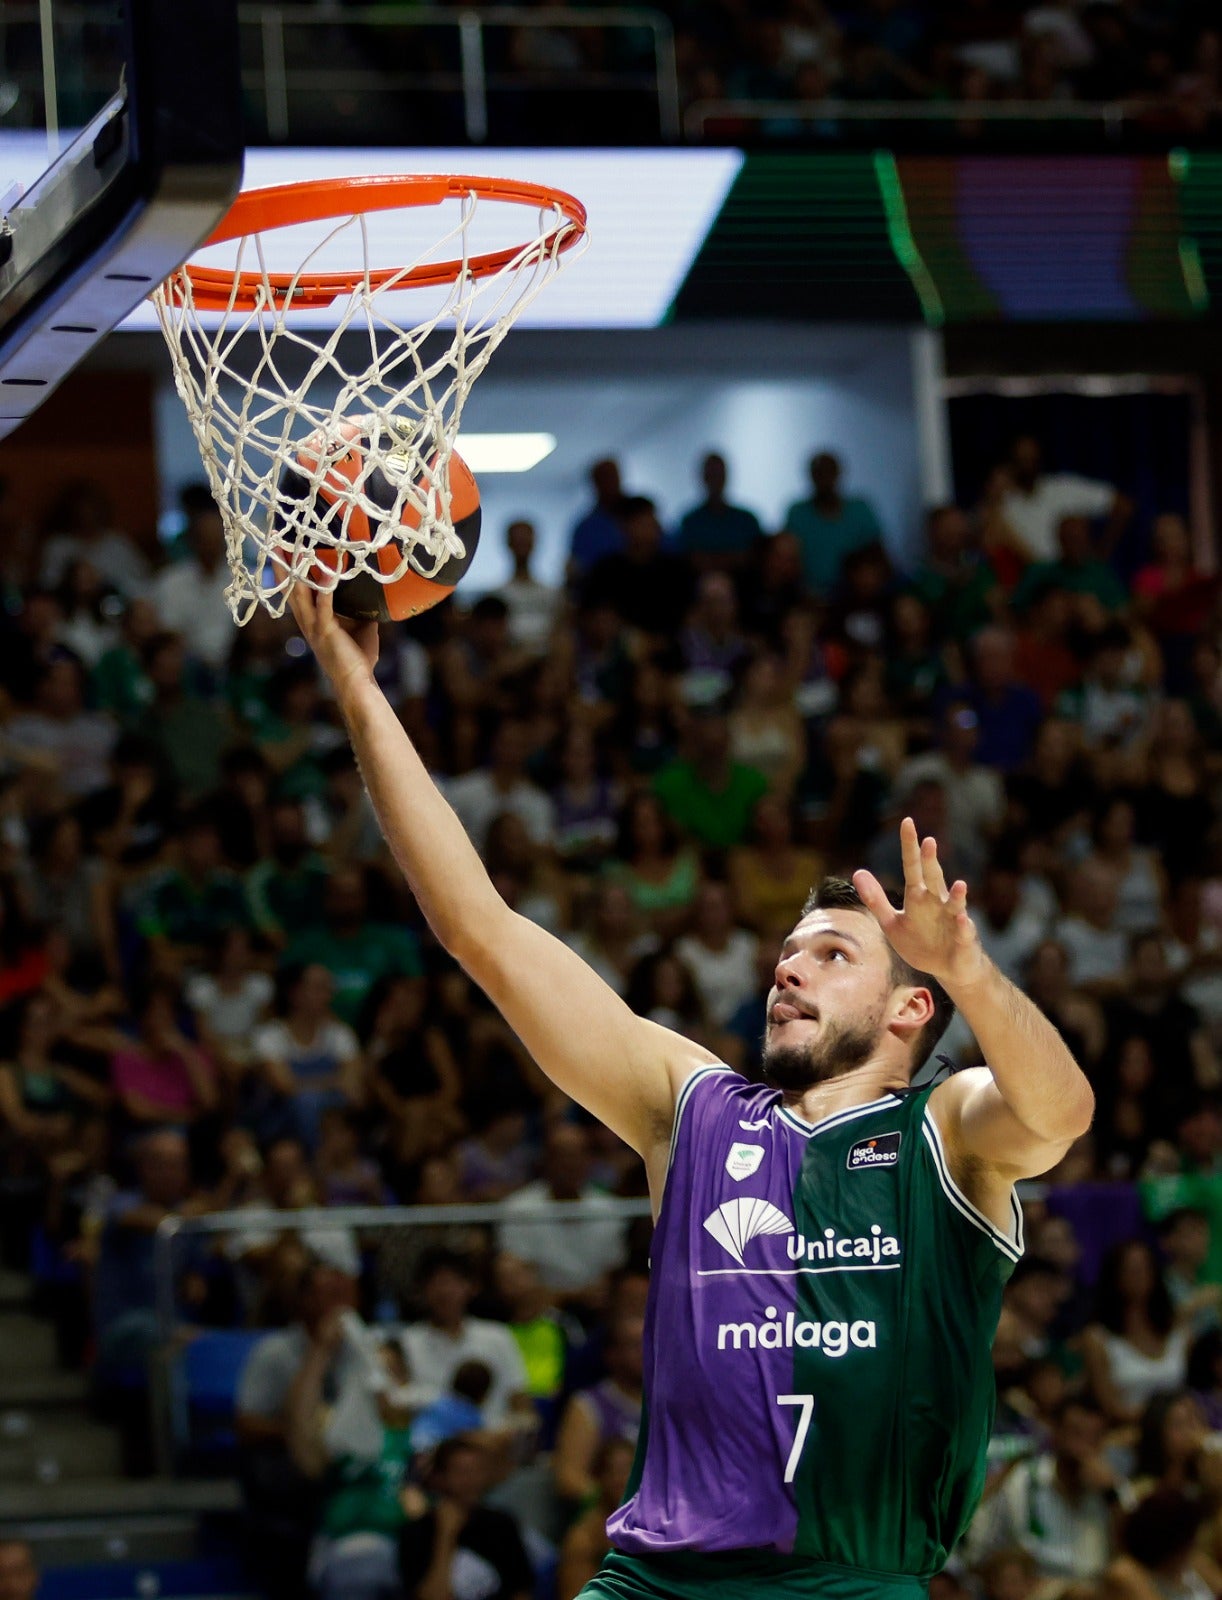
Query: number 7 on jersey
(807, 1404)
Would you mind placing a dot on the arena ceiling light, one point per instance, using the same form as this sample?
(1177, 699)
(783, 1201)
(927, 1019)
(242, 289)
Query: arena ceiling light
(504, 452)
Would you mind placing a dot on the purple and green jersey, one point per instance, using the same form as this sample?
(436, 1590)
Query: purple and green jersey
(818, 1371)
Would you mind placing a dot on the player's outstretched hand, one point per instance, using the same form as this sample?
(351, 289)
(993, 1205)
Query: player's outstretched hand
(933, 932)
(347, 651)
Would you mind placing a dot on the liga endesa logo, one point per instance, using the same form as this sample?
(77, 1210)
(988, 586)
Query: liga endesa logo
(883, 1150)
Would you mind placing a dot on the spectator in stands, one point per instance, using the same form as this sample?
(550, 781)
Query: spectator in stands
(715, 535)
(66, 887)
(1158, 1540)
(1043, 656)
(659, 875)
(711, 643)
(1112, 704)
(586, 801)
(1057, 1505)
(1036, 501)
(189, 594)
(191, 732)
(1135, 1347)
(593, 1417)
(708, 794)
(975, 797)
(455, 1533)
(124, 1282)
(541, 1329)
(1009, 712)
(829, 525)
(586, 1543)
(1009, 932)
(162, 1077)
(1078, 1016)
(771, 874)
(448, 1335)
(193, 903)
(1183, 1238)
(478, 671)
(19, 1575)
(612, 940)
(1148, 1006)
(286, 888)
(86, 628)
(503, 785)
(1052, 796)
(1141, 884)
(649, 587)
(600, 532)
(1173, 597)
(80, 527)
(533, 605)
(58, 727)
(954, 580)
(573, 1256)
(354, 949)
(1076, 569)
(1173, 807)
(281, 1505)
(359, 1454)
(43, 1096)
(1096, 947)
(766, 730)
(413, 1076)
(719, 953)
(311, 1059)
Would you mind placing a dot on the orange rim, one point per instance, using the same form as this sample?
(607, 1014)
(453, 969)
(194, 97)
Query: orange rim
(261, 210)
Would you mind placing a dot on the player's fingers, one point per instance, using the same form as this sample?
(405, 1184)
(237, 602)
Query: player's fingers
(910, 854)
(874, 897)
(935, 878)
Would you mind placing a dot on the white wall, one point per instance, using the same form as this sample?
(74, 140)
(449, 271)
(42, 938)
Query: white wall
(766, 397)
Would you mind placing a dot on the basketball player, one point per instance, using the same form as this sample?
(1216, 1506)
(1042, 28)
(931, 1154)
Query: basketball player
(830, 1248)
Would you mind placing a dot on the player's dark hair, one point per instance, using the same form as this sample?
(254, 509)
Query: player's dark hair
(441, 1260)
(838, 894)
(1162, 1525)
(1151, 1457)
(1110, 1303)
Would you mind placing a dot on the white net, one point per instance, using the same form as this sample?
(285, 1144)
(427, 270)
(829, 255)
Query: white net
(275, 406)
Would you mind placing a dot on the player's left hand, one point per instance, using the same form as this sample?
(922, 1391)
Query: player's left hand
(933, 932)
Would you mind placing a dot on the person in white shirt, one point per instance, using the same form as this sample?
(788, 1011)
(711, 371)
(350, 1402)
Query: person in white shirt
(1036, 501)
(533, 606)
(189, 596)
(438, 1345)
(573, 1256)
(1059, 1505)
(479, 797)
(721, 956)
(1098, 950)
(1009, 930)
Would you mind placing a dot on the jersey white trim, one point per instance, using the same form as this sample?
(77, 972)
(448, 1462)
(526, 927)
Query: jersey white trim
(685, 1094)
(800, 1124)
(1011, 1246)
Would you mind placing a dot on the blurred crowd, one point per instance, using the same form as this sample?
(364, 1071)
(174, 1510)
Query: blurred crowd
(1166, 59)
(216, 994)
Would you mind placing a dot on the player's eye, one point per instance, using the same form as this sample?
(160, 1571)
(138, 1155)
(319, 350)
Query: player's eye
(835, 952)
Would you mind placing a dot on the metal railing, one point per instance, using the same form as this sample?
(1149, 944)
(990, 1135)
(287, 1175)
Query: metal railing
(1111, 118)
(170, 1408)
(289, 63)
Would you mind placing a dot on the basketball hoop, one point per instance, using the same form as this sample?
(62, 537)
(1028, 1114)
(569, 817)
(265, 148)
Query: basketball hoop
(251, 421)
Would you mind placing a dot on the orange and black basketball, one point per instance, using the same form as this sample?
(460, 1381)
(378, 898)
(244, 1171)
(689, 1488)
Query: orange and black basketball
(362, 596)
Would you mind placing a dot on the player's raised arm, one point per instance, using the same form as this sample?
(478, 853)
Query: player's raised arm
(1020, 1115)
(624, 1070)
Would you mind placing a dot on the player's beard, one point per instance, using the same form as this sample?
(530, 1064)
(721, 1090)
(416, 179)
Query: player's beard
(836, 1050)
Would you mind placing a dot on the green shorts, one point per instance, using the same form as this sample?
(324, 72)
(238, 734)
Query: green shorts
(743, 1575)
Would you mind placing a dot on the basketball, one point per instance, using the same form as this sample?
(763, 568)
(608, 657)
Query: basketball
(363, 596)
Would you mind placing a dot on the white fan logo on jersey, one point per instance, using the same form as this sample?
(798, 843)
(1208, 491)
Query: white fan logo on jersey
(736, 1222)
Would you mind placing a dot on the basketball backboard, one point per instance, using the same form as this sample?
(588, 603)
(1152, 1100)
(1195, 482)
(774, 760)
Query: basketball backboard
(121, 148)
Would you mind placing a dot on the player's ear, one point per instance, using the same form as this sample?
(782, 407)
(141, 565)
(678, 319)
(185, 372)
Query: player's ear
(911, 1008)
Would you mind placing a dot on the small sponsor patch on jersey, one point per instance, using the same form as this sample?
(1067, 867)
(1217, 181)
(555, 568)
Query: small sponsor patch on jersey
(743, 1160)
(883, 1150)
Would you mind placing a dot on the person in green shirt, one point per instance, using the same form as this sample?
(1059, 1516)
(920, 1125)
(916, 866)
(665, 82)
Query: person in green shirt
(287, 887)
(196, 901)
(709, 795)
(1078, 570)
(119, 683)
(829, 525)
(354, 950)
